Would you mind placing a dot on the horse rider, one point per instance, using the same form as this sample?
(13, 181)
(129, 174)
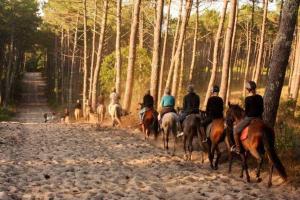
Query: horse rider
(77, 109)
(148, 104)
(214, 108)
(167, 103)
(101, 99)
(191, 103)
(114, 97)
(254, 108)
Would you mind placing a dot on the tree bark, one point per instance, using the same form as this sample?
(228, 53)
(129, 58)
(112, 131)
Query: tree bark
(181, 73)
(194, 43)
(185, 19)
(160, 92)
(118, 46)
(156, 51)
(227, 51)
(215, 52)
(85, 72)
(296, 78)
(171, 69)
(279, 61)
(249, 44)
(93, 49)
(261, 44)
(70, 101)
(132, 55)
(99, 55)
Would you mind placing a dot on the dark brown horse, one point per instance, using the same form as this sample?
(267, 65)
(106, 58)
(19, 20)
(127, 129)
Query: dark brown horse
(216, 135)
(260, 139)
(150, 123)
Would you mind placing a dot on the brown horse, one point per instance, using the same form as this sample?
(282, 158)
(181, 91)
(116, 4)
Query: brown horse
(216, 135)
(150, 123)
(260, 139)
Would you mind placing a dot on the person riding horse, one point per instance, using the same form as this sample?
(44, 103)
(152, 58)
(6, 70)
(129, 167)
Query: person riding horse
(167, 103)
(214, 108)
(191, 103)
(254, 108)
(148, 103)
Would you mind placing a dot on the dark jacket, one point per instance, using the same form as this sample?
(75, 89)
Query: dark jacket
(254, 106)
(148, 101)
(191, 103)
(215, 107)
(78, 105)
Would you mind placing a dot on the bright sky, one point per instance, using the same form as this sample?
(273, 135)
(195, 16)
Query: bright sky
(203, 5)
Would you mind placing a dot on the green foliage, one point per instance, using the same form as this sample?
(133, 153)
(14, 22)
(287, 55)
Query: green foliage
(141, 73)
(7, 113)
(286, 137)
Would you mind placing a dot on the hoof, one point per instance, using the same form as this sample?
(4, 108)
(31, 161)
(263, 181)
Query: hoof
(269, 185)
(248, 179)
(216, 168)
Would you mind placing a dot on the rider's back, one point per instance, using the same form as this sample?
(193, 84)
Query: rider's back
(168, 101)
(215, 106)
(191, 102)
(254, 106)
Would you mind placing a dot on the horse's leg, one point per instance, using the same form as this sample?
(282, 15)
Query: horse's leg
(144, 131)
(246, 167)
(167, 138)
(200, 144)
(218, 157)
(175, 142)
(229, 153)
(259, 160)
(243, 165)
(212, 155)
(190, 147)
(184, 146)
(271, 167)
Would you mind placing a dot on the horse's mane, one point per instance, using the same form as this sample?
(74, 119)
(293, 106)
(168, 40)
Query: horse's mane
(237, 110)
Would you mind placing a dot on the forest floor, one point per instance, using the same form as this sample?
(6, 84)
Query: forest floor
(81, 161)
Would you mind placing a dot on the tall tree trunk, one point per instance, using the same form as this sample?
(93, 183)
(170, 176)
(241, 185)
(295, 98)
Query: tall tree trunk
(227, 51)
(62, 64)
(118, 46)
(171, 69)
(215, 53)
(9, 69)
(261, 44)
(195, 43)
(185, 19)
(181, 73)
(232, 62)
(93, 50)
(70, 101)
(279, 61)
(99, 55)
(141, 27)
(85, 67)
(156, 51)
(160, 92)
(249, 42)
(56, 76)
(132, 55)
(296, 78)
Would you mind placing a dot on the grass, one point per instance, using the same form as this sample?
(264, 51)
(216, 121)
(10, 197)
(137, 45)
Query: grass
(6, 114)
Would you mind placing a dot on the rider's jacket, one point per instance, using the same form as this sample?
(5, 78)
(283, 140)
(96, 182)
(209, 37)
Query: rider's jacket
(191, 103)
(254, 106)
(78, 106)
(167, 101)
(215, 107)
(148, 101)
(114, 98)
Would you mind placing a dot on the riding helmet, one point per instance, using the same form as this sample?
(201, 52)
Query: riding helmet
(215, 89)
(251, 85)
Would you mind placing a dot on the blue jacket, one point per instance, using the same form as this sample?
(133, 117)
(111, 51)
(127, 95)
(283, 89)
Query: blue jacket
(168, 101)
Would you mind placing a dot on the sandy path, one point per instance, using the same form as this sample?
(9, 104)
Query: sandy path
(76, 161)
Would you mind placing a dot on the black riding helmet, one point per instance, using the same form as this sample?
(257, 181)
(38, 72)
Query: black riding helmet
(215, 89)
(251, 85)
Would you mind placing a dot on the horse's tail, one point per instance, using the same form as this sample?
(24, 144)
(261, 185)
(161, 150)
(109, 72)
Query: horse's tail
(269, 140)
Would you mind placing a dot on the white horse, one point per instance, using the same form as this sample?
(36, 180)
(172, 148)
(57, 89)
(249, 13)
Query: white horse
(101, 110)
(169, 125)
(115, 111)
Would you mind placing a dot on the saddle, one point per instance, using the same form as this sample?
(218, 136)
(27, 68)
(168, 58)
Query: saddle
(244, 134)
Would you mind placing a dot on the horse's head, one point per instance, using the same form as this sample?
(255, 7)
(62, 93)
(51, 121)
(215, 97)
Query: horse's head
(234, 113)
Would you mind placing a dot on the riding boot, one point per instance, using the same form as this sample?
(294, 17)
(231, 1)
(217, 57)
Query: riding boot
(237, 147)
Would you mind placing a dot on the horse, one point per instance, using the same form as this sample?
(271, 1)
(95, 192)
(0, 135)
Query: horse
(260, 139)
(191, 128)
(169, 126)
(150, 123)
(216, 133)
(87, 112)
(77, 114)
(101, 110)
(115, 112)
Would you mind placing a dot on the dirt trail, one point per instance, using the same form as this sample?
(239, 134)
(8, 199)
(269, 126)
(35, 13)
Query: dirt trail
(78, 161)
